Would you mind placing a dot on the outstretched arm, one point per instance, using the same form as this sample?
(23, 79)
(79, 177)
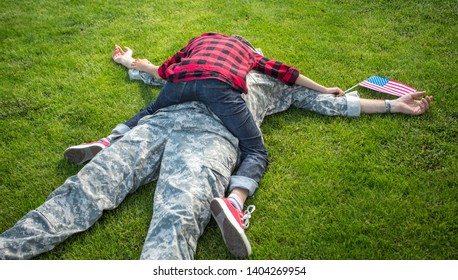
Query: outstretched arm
(125, 58)
(308, 83)
(407, 104)
(145, 66)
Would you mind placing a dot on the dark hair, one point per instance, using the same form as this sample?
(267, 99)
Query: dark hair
(245, 41)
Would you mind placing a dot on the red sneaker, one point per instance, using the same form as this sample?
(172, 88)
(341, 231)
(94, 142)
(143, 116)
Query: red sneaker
(81, 153)
(232, 224)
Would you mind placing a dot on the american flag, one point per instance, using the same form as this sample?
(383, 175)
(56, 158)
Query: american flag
(387, 86)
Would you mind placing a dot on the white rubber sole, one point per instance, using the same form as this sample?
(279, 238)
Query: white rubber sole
(81, 153)
(234, 236)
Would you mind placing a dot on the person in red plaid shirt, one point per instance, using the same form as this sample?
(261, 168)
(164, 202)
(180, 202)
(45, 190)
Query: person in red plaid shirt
(212, 69)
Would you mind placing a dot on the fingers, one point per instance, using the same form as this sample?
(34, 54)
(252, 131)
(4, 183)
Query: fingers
(425, 104)
(422, 109)
(117, 51)
(136, 64)
(417, 94)
(339, 92)
(117, 48)
(336, 91)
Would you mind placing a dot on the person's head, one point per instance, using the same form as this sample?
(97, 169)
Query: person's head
(245, 41)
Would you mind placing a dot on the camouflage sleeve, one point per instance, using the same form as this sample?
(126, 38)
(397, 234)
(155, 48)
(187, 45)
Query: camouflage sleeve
(146, 78)
(267, 96)
(326, 104)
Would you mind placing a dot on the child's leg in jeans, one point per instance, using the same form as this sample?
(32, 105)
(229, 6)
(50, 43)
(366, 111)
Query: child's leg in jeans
(229, 106)
(170, 94)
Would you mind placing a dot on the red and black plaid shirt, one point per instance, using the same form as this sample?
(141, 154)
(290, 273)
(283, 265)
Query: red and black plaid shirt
(226, 58)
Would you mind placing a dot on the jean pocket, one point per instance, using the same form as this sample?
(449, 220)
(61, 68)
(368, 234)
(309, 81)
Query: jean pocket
(173, 92)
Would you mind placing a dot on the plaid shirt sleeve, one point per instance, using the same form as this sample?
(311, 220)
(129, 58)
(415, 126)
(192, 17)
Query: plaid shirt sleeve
(276, 69)
(176, 58)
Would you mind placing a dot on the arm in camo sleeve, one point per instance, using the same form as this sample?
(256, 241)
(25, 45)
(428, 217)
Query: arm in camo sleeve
(268, 96)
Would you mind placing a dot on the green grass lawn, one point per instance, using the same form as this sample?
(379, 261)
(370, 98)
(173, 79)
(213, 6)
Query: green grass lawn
(374, 187)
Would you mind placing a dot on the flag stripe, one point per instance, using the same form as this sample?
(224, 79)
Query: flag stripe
(387, 86)
(377, 88)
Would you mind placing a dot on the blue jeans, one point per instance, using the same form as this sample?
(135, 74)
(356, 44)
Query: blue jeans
(226, 103)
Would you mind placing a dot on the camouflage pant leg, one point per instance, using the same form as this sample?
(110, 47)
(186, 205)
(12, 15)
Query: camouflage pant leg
(196, 167)
(102, 184)
(146, 78)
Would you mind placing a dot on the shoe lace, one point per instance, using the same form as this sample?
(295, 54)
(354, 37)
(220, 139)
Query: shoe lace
(106, 140)
(247, 215)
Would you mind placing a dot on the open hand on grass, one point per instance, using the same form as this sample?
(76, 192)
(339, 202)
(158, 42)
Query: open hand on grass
(123, 57)
(408, 104)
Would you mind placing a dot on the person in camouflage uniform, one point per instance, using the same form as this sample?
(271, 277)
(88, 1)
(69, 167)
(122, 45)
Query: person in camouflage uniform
(191, 155)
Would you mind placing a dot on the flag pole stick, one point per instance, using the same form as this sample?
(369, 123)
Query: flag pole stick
(351, 88)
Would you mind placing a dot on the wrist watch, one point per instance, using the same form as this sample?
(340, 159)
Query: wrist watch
(387, 106)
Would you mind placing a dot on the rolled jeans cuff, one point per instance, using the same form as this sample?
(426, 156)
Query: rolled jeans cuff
(353, 104)
(243, 182)
(121, 129)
